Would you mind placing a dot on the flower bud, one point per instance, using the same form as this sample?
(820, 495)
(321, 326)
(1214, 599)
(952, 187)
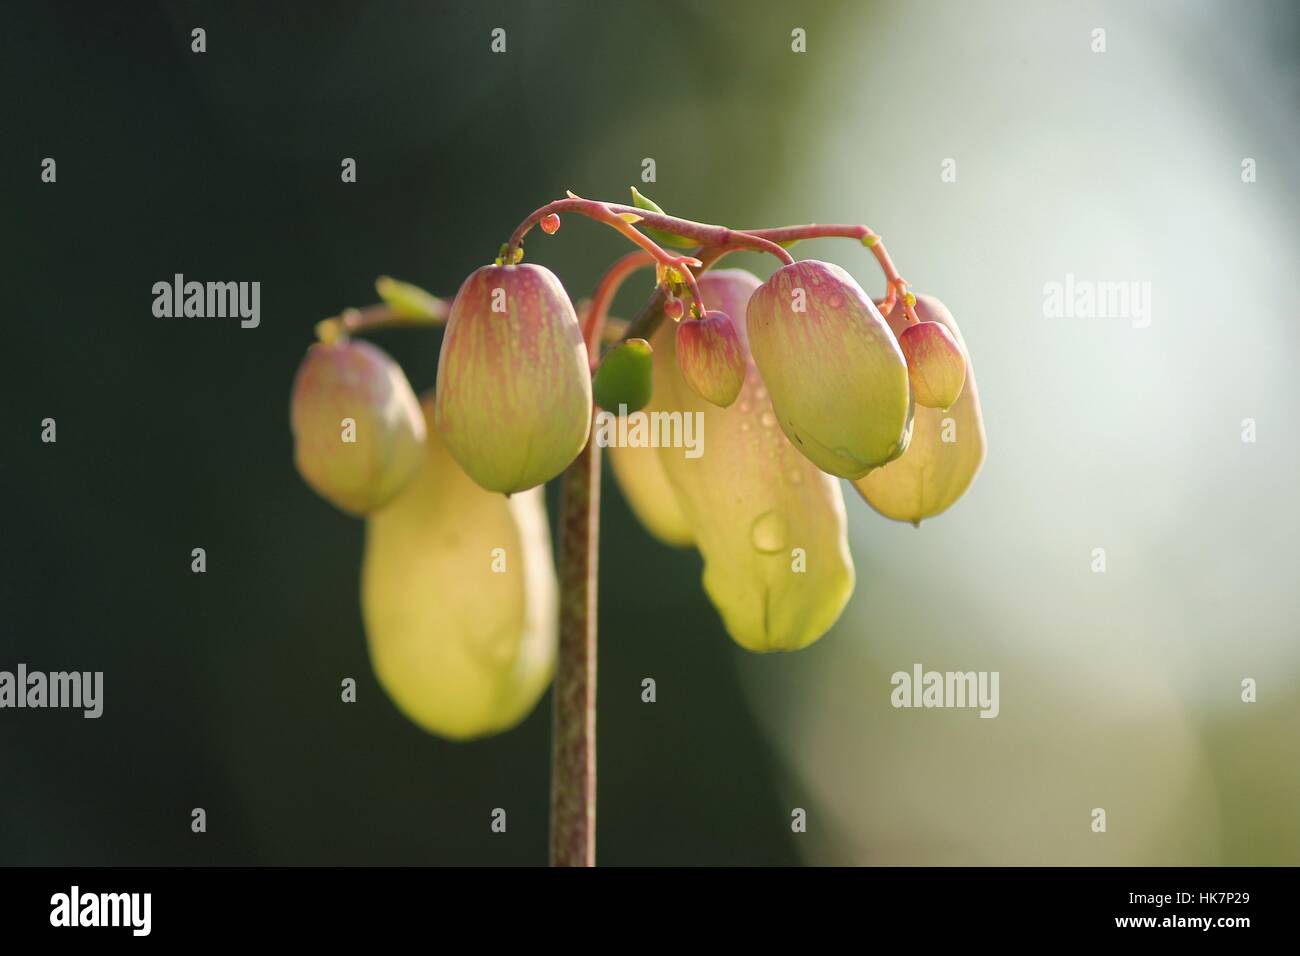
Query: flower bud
(357, 428)
(769, 525)
(458, 597)
(639, 473)
(935, 364)
(711, 358)
(623, 377)
(513, 400)
(837, 377)
(947, 447)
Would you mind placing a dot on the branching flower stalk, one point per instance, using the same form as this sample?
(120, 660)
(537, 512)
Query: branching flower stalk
(860, 390)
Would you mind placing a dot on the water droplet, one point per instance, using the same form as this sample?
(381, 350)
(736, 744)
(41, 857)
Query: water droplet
(767, 534)
(767, 419)
(743, 408)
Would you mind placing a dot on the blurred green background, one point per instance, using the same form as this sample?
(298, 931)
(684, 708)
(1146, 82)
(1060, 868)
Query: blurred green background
(1118, 690)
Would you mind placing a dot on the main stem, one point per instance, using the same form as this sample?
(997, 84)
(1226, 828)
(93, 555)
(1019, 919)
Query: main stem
(573, 738)
(573, 753)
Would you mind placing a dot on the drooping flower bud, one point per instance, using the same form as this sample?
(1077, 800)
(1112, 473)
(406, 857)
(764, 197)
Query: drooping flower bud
(935, 364)
(770, 525)
(513, 399)
(624, 377)
(458, 597)
(711, 357)
(639, 473)
(837, 377)
(358, 434)
(947, 447)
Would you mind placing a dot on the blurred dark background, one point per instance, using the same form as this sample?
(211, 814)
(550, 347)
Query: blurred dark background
(222, 689)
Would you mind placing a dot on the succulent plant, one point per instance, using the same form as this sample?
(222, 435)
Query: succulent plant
(796, 382)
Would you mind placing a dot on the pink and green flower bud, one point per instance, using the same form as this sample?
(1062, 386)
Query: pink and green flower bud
(514, 390)
(947, 447)
(935, 364)
(358, 434)
(458, 597)
(623, 380)
(711, 357)
(837, 378)
(769, 524)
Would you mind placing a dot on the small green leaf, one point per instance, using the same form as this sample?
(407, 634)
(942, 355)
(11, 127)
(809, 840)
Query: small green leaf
(410, 301)
(658, 235)
(624, 377)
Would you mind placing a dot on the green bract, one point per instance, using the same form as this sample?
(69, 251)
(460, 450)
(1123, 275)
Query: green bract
(947, 447)
(513, 400)
(357, 428)
(837, 377)
(659, 235)
(624, 377)
(408, 301)
(458, 596)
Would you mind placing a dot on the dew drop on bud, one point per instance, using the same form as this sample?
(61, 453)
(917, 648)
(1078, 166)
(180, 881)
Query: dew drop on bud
(674, 309)
(935, 365)
(550, 224)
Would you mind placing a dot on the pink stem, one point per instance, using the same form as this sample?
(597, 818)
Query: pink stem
(704, 234)
(594, 323)
(894, 283)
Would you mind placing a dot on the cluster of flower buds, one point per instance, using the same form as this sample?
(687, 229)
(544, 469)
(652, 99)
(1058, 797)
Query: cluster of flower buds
(799, 381)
